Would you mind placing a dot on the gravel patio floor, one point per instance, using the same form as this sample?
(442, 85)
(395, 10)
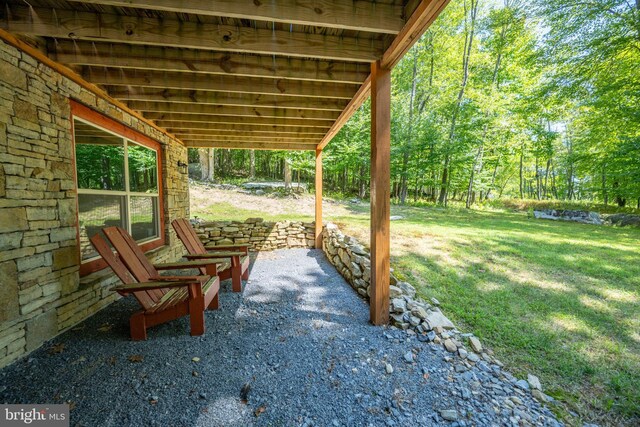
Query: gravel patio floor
(297, 338)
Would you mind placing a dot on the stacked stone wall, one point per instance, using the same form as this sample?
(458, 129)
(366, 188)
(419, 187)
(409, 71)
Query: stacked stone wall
(258, 234)
(40, 288)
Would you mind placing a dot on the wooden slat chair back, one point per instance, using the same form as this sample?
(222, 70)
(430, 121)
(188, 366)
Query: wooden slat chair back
(146, 298)
(163, 298)
(239, 266)
(131, 254)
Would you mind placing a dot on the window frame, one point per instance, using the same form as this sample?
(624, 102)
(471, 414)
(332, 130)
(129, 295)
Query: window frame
(99, 120)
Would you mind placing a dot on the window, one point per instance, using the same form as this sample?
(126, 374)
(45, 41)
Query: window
(117, 178)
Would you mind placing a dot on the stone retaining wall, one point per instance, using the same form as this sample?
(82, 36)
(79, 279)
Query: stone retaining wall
(258, 234)
(41, 291)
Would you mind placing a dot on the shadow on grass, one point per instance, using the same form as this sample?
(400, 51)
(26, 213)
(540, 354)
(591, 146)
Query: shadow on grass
(556, 299)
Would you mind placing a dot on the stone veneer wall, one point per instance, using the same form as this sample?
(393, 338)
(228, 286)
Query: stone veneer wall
(40, 289)
(258, 234)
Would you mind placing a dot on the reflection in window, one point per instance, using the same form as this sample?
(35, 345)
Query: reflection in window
(143, 169)
(117, 185)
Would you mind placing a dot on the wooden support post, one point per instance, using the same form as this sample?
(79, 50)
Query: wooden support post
(380, 192)
(318, 199)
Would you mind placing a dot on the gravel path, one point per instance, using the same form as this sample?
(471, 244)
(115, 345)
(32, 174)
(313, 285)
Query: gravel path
(299, 343)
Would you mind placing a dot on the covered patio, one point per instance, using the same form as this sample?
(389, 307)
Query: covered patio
(295, 349)
(101, 99)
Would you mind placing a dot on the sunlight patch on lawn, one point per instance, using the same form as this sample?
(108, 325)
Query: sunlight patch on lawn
(569, 323)
(595, 304)
(618, 295)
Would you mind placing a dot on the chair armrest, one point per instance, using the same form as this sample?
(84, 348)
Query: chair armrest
(214, 257)
(146, 286)
(243, 248)
(181, 265)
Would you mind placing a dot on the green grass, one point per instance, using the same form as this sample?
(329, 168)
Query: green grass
(559, 300)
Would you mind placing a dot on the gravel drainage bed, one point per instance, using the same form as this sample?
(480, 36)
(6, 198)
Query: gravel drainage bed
(295, 348)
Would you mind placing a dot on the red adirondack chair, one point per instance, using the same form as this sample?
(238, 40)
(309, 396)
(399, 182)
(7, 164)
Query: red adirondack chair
(238, 254)
(163, 298)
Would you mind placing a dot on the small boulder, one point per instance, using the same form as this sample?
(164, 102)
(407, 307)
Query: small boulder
(436, 319)
(450, 346)
(534, 382)
(475, 344)
(449, 414)
(399, 305)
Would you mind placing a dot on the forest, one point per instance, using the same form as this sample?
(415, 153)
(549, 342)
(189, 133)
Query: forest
(499, 98)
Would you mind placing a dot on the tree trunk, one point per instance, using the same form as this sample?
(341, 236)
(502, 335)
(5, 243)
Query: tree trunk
(605, 196)
(287, 174)
(203, 156)
(477, 159)
(211, 160)
(407, 148)
(522, 173)
(469, 24)
(252, 164)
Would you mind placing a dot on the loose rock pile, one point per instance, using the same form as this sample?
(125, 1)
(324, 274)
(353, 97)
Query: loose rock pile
(258, 234)
(412, 313)
(584, 217)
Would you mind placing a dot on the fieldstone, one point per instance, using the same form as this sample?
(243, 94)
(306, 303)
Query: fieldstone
(450, 346)
(449, 414)
(394, 292)
(10, 307)
(475, 344)
(472, 357)
(436, 319)
(399, 305)
(357, 249)
(40, 329)
(419, 312)
(463, 353)
(539, 395)
(435, 301)
(414, 321)
(407, 289)
(534, 382)
(523, 384)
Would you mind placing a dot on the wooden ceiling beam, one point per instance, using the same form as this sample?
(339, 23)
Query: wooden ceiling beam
(249, 129)
(223, 98)
(82, 53)
(219, 83)
(225, 110)
(234, 136)
(358, 15)
(245, 139)
(249, 145)
(185, 120)
(105, 27)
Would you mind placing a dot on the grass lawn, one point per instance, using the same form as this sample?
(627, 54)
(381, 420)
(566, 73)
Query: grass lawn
(559, 300)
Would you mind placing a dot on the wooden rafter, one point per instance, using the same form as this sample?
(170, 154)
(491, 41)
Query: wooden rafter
(185, 120)
(220, 83)
(360, 15)
(168, 59)
(249, 129)
(249, 145)
(240, 136)
(76, 25)
(124, 93)
(224, 110)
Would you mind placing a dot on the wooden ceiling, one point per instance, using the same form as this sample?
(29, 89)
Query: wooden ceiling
(259, 74)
